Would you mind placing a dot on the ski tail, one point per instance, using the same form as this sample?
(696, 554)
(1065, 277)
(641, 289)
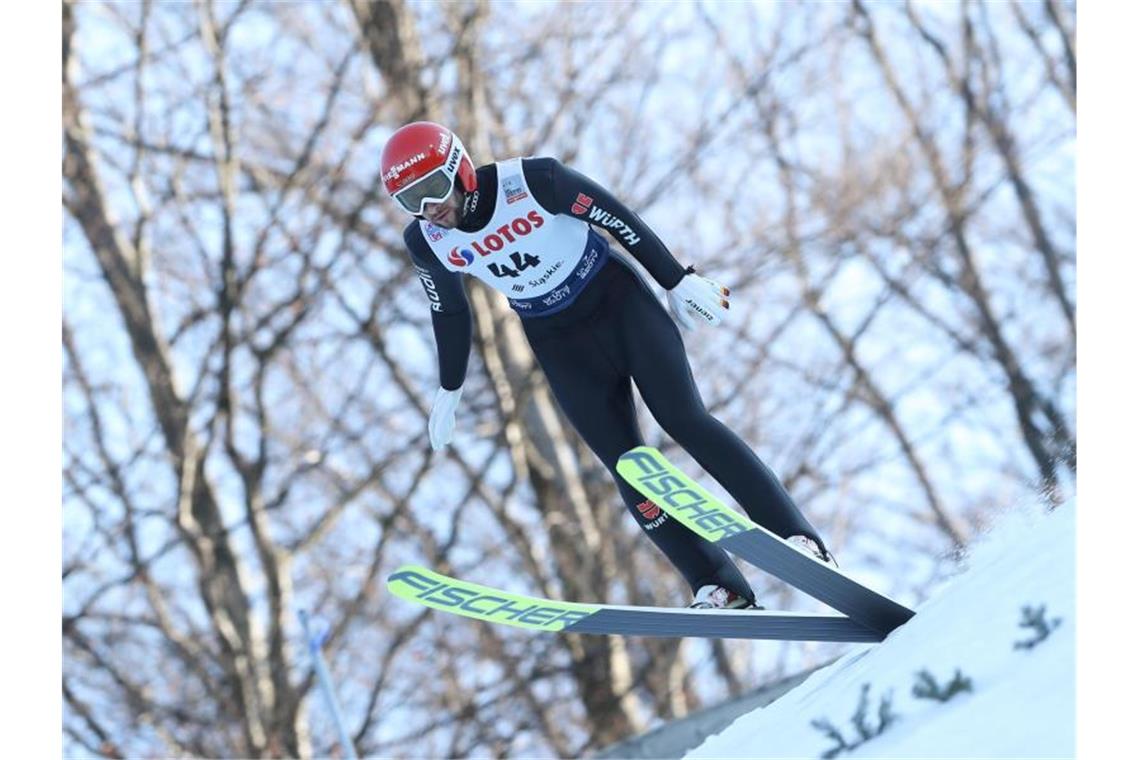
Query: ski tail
(647, 470)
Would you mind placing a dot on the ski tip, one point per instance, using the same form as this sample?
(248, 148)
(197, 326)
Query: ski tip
(403, 572)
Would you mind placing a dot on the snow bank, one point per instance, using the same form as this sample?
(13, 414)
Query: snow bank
(1022, 703)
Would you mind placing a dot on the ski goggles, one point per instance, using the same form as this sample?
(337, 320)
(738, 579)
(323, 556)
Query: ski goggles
(431, 188)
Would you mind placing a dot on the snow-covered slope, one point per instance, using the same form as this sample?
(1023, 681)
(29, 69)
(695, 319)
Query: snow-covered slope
(1022, 703)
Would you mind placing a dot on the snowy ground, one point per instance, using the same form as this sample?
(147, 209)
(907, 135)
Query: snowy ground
(1022, 704)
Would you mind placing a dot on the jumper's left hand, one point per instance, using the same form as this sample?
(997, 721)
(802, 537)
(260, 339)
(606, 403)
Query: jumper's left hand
(698, 298)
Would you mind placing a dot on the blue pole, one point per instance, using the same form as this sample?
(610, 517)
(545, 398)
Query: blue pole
(325, 680)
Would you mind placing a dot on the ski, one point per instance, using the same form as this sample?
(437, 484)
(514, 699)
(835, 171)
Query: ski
(442, 592)
(646, 469)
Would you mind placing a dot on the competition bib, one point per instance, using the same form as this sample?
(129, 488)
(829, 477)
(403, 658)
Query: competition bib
(538, 260)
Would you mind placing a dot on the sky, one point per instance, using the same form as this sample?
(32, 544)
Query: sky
(33, 410)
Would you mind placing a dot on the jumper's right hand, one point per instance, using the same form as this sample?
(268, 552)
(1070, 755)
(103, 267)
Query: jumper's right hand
(441, 423)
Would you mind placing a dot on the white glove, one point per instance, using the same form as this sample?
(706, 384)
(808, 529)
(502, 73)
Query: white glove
(441, 423)
(698, 297)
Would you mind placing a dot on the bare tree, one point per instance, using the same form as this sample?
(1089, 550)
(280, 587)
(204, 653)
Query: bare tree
(249, 362)
(1050, 443)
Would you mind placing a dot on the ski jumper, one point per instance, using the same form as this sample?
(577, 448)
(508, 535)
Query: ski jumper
(595, 327)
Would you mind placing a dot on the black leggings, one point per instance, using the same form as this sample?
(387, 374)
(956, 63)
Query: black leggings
(617, 331)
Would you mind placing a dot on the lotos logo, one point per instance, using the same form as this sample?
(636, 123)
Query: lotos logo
(460, 258)
(509, 233)
(582, 204)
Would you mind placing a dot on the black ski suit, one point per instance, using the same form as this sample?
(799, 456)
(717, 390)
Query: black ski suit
(615, 332)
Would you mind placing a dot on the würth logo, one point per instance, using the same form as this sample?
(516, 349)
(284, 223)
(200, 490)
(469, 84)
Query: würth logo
(581, 204)
(648, 509)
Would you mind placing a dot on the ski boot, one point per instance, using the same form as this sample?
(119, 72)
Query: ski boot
(813, 549)
(713, 597)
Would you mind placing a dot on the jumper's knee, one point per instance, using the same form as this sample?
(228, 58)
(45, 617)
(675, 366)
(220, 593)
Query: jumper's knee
(683, 423)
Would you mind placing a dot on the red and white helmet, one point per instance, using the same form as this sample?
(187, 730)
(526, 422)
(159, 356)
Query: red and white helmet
(420, 164)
